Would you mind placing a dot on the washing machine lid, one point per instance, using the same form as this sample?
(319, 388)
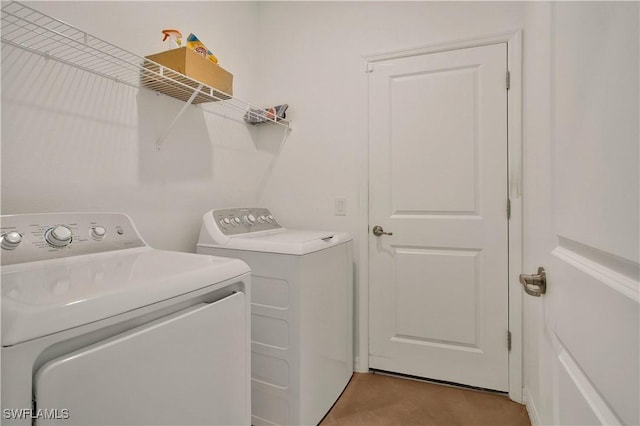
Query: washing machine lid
(45, 297)
(284, 241)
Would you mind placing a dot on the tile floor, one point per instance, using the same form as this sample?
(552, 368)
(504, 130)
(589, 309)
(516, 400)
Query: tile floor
(378, 399)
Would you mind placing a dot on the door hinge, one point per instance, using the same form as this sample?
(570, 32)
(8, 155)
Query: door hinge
(368, 68)
(508, 208)
(508, 80)
(508, 340)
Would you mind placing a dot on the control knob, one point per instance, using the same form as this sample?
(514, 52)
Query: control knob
(59, 236)
(249, 219)
(11, 240)
(98, 233)
(225, 221)
(270, 218)
(235, 221)
(262, 218)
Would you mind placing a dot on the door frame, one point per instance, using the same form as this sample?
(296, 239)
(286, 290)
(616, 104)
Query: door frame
(513, 39)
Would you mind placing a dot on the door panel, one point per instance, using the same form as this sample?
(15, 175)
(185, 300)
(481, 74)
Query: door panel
(452, 276)
(589, 318)
(438, 182)
(434, 141)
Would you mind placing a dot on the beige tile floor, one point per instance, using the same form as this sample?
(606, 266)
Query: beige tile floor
(377, 399)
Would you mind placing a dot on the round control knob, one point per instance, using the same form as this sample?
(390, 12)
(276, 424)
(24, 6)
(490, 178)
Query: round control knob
(11, 240)
(249, 219)
(236, 221)
(262, 218)
(60, 236)
(225, 221)
(98, 232)
(270, 219)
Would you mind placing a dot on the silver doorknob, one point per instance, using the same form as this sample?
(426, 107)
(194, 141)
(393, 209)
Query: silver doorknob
(536, 284)
(377, 231)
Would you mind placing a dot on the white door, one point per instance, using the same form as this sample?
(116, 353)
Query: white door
(585, 206)
(438, 183)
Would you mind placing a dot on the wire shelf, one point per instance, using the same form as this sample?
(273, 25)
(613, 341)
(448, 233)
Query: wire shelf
(40, 34)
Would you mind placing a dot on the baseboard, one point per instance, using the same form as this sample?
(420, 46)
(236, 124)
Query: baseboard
(530, 404)
(358, 367)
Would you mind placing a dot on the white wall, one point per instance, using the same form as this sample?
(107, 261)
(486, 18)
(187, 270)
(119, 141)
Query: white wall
(72, 141)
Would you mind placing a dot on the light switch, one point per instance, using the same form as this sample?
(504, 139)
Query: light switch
(341, 207)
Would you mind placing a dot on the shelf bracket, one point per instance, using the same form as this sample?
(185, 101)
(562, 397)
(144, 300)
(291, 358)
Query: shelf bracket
(175, 120)
(287, 131)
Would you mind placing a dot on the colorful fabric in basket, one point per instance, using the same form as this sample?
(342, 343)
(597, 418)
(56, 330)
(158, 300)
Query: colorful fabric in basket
(257, 116)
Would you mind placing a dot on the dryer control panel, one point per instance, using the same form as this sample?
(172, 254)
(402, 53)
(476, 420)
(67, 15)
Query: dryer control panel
(32, 237)
(244, 220)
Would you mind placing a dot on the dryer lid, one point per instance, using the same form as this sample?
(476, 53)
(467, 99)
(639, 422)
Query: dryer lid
(45, 297)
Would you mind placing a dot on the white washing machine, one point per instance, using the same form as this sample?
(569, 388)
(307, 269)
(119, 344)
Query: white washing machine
(100, 329)
(301, 311)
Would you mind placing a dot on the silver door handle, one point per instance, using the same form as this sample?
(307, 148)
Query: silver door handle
(377, 231)
(536, 284)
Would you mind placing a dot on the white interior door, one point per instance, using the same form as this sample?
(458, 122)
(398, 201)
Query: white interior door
(438, 182)
(586, 200)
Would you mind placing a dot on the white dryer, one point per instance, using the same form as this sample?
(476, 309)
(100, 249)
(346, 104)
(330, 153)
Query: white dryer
(100, 329)
(301, 311)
